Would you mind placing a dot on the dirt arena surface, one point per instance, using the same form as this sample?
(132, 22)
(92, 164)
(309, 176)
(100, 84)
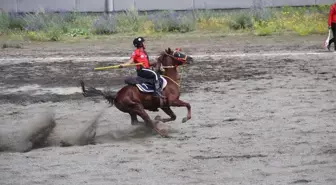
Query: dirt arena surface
(263, 112)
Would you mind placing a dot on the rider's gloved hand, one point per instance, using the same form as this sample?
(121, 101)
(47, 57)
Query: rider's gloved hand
(121, 66)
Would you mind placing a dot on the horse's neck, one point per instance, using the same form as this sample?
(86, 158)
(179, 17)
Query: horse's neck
(171, 73)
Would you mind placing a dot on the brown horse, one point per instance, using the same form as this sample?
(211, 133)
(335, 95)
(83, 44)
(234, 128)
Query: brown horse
(131, 100)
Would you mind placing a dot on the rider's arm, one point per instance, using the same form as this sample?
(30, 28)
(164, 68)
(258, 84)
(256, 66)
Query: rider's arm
(152, 63)
(130, 61)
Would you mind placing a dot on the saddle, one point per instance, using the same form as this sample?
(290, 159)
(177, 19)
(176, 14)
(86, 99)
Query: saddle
(145, 85)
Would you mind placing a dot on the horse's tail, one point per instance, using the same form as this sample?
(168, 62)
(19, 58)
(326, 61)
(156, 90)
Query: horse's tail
(91, 91)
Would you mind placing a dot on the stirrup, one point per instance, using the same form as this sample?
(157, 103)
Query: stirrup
(161, 98)
(158, 93)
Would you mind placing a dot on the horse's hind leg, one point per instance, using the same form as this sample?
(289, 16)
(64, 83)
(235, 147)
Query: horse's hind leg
(140, 111)
(180, 103)
(135, 119)
(169, 112)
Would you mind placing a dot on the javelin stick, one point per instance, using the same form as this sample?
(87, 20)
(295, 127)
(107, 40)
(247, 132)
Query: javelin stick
(115, 66)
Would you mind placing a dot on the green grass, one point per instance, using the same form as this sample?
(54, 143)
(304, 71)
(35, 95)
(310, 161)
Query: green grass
(261, 21)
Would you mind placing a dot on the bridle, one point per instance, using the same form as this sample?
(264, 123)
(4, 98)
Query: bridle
(182, 60)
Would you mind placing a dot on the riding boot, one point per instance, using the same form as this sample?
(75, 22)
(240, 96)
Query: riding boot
(158, 91)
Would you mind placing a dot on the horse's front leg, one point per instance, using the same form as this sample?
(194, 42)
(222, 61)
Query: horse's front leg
(180, 103)
(169, 112)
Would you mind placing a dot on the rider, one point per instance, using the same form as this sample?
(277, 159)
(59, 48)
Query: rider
(139, 55)
(332, 24)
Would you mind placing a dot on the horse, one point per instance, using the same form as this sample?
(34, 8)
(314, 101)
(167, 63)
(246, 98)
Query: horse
(137, 95)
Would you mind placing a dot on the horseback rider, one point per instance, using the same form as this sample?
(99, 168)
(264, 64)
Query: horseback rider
(139, 55)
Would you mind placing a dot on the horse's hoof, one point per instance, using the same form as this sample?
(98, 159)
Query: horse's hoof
(164, 133)
(166, 136)
(185, 120)
(65, 144)
(157, 118)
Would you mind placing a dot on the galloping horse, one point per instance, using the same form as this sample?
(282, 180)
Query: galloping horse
(136, 96)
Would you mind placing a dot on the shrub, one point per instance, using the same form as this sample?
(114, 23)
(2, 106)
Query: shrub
(128, 21)
(36, 22)
(4, 22)
(242, 20)
(54, 34)
(170, 21)
(16, 22)
(78, 32)
(105, 25)
(263, 28)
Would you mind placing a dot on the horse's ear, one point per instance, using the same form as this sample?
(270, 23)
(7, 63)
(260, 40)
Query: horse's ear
(169, 50)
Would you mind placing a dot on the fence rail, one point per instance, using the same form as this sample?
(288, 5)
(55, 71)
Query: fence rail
(142, 5)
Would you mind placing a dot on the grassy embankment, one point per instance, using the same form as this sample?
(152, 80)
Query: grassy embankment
(44, 26)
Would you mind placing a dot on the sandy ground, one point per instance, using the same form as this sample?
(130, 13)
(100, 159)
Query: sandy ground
(256, 119)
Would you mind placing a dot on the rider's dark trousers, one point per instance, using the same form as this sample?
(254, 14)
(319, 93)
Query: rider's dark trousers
(149, 74)
(333, 28)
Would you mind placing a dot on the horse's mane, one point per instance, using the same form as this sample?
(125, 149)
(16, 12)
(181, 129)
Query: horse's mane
(160, 57)
(165, 51)
(162, 53)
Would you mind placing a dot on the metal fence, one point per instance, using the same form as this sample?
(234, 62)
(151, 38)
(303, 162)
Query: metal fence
(142, 5)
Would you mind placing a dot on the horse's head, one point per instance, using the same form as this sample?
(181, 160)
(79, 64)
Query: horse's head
(173, 58)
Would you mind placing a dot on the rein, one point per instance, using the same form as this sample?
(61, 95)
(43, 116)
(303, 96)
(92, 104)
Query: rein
(172, 80)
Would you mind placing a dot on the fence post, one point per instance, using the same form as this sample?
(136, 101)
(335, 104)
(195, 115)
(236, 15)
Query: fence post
(109, 7)
(76, 6)
(112, 6)
(106, 7)
(193, 10)
(134, 4)
(16, 6)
